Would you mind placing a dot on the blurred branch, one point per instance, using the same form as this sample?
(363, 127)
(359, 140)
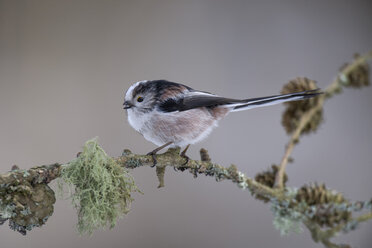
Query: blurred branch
(324, 236)
(333, 88)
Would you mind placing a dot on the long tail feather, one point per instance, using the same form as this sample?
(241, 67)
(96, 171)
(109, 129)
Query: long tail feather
(271, 100)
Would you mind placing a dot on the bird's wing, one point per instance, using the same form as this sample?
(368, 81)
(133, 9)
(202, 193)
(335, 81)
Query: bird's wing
(196, 99)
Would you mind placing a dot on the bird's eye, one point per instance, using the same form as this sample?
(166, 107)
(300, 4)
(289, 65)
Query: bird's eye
(140, 99)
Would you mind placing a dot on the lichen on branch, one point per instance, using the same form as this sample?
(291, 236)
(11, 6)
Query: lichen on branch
(102, 190)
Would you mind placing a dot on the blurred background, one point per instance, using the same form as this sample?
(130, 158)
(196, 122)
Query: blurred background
(64, 69)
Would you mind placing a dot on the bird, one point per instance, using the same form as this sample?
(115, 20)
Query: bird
(175, 115)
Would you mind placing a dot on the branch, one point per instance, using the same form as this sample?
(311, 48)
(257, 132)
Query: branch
(171, 158)
(287, 203)
(324, 236)
(333, 88)
(102, 192)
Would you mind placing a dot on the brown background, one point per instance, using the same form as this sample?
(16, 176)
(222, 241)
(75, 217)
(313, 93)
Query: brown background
(64, 69)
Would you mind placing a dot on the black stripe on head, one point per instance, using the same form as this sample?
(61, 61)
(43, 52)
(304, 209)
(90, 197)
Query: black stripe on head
(164, 87)
(140, 89)
(159, 87)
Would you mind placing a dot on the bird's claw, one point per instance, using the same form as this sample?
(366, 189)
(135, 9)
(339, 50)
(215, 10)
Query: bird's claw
(182, 167)
(153, 155)
(185, 157)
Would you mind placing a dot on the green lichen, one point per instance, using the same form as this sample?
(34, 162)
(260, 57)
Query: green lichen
(6, 210)
(102, 188)
(26, 173)
(133, 163)
(237, 177)
(242, 181)
(286, 219)
(25, 211)
(26, 206)
(218, 172)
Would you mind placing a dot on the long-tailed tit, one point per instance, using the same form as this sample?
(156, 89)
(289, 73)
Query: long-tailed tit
(172, 114)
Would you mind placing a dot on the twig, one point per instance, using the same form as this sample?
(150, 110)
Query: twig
(324, 236)
(306, 118)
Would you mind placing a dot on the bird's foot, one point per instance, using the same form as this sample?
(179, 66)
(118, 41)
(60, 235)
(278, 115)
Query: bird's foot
(153, 155)
(183, 154)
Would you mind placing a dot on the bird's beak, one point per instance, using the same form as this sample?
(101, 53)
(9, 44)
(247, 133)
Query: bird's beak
(127, 105)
